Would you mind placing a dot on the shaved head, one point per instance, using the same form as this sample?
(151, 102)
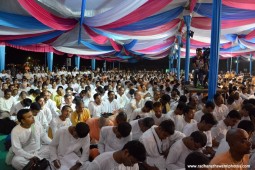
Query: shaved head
(238, 141)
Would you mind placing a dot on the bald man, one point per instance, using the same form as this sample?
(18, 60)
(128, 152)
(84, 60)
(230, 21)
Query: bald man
(238, 154)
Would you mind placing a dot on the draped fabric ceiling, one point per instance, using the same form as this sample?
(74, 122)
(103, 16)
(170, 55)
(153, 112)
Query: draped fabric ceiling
(123, 30)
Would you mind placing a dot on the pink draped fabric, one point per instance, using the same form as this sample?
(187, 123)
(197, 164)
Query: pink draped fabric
(192, 4)
(46, 17)
(196, 43)
(250, 35)
(205, 23)
(35, 48)
(115, 46)
(99, 39)
(168, 42)
(227, 45)
(241, 4)
(13, 37)
(153, 31)
(149, 8)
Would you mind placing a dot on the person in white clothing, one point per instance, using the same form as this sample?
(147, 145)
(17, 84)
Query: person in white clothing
(220, 130)
(23, 104)
(145, 111)
(62, 120)
(122, 99)
(139, 126)
(246, 125)
(177, 116)
(67, 144)
(44, 109)
(205, 125)
(50, 104)
(157, 145)
(114, 138)
(157, 113)
(188, 117)
(39, 116)
(208, 108)
(96, 107)
(68, 98)
(27, 140)
(132, 152)
(221, 110)
(137, 102)
(7, 101)
(182, 148)
(110, 104)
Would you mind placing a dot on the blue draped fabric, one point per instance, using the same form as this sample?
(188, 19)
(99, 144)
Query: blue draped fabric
(93, 64)
(215, 46)
(2, 57)
(36, 39)
(153, 21)
(50, 60)
(77, 62)
(83, 7)
(19, 21)
(231, 49)
(231, 37)
(130, 45)
(228, 13)
(97, 47)
(109, 35)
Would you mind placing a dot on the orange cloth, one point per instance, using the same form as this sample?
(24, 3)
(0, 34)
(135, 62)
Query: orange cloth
(93, 124)
(93, 153)
(84, 116)
(226, 159)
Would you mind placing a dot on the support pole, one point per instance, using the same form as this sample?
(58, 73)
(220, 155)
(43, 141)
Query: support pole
(237, 65)
(215, 45)
(50, 61)
(93, 64)
(77, 62)
(2, 57)
(250, 64)
(179, 57)
(187, 19)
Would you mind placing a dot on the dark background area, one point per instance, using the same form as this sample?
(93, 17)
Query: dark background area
(19, 57)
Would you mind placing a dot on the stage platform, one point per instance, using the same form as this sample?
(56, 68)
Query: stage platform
(191, 89)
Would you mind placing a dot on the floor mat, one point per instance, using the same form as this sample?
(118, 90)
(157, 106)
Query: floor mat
(3, 153)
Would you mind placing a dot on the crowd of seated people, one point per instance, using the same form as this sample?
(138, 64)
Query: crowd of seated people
(126, 120)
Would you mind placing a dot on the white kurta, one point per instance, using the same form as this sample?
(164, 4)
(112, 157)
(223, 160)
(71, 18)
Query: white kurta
(95, 110)
(64, 144)
(177, 155)
(109, 142)
(221, 112)
(198, 115)
(56, 123)
(26, 143)
(5, 105)
(136, 130)
(223, 147)
(110, 107)
(154, 148)
(219, 131)
(159, 120)
(104, 161)
(139, 112)
(189, 128)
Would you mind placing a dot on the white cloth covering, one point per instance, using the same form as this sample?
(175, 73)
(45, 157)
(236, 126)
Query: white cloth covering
(26, 143)
(177, 155)
(136, 130)
(64, 144)
(56, 123)
(189, 128)
(109, 142)
(95, 110)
